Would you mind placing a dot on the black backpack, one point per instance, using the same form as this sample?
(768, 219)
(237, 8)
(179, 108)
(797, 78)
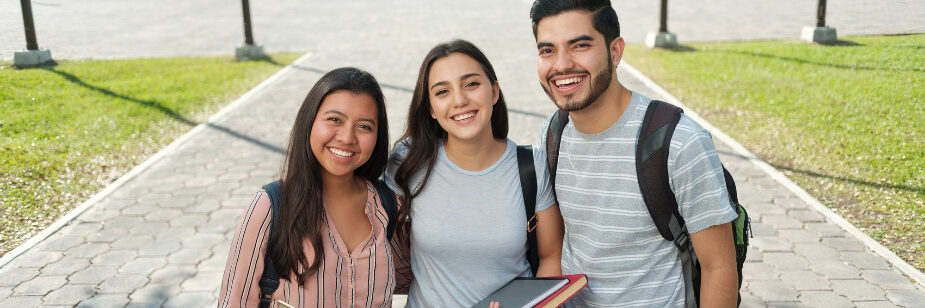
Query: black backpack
(652, 172)
(269, 281)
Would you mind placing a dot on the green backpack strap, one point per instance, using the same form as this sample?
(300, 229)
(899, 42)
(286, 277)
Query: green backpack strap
(528, 186)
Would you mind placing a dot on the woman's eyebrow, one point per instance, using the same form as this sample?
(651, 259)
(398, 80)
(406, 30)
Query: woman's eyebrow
(469, 75)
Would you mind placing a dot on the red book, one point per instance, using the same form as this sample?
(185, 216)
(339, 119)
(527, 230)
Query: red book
(575, 284)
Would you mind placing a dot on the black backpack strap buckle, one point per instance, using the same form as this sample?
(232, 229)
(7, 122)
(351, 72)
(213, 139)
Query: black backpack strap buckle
(683, 240)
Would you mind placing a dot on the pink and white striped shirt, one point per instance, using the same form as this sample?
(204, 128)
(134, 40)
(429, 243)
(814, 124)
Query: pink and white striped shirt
(367, 277)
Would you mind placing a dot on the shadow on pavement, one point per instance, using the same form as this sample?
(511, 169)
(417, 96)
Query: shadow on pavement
(165, 110)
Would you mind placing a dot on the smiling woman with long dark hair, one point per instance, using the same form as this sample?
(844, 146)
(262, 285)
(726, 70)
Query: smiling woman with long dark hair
(329, 244)
(458, 175)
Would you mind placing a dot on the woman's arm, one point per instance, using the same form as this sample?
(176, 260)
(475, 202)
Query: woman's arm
(549, 232)
(245, 260)
(401, 257)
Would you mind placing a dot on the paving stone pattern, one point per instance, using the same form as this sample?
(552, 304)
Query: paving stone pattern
(162, 238)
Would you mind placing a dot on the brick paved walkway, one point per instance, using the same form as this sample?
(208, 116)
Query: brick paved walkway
(161, 238)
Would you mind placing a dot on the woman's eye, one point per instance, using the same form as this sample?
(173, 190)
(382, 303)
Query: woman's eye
(365, 127)
(441, 92)
(333, 119)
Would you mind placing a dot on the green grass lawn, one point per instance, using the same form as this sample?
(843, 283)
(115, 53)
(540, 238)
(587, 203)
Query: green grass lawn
(69, 130)
(846, 122)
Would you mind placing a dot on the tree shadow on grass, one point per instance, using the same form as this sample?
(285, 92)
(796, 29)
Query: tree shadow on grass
(165, 110)
(681, 48)
(841, 43)
(832, 65)
(920, 190)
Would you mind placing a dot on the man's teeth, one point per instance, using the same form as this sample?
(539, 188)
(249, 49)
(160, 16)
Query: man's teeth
(567, 81)
(464, 116)
(341, 153)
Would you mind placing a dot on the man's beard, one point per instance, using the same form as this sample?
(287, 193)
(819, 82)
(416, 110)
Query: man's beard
(599, 84)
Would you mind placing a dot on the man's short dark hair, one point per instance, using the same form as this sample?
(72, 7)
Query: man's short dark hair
(603, 16)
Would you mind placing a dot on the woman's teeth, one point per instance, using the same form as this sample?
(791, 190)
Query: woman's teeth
(464, 116)
(341, 153)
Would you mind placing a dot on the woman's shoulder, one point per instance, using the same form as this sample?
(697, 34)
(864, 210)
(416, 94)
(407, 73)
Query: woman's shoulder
(401, 147)
(260, 204)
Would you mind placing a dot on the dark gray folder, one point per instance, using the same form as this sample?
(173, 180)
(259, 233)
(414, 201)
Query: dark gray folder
(524, 292)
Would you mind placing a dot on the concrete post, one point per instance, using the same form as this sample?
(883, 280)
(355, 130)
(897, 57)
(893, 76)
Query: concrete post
(820, 33)
(249, 51)
(32, 56)
(662, 38)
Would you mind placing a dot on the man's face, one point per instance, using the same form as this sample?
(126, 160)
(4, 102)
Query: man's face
(574, 62)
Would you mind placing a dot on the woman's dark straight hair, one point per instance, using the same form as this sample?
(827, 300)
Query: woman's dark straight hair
(301, 208)
(423, 133)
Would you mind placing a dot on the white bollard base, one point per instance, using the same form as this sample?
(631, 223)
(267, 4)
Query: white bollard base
(819, 35)
(31, 58)
(661, 40)
(249, 52)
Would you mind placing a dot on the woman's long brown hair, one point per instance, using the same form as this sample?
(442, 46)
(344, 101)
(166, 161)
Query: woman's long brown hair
(423, 133)
(301, 208)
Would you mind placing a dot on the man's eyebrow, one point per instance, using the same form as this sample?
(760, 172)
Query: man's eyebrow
(580, 38)
(439, 84)
(571, 41)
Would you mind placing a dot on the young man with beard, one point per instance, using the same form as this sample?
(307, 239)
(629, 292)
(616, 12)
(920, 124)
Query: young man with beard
(609, 234)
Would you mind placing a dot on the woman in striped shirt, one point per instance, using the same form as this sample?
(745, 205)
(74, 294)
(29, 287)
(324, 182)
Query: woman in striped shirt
(328, 208)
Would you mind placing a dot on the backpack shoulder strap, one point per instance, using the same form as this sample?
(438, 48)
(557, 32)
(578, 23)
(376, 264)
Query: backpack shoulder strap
(527, 170)
(652, 167)
(553, 140)
(269, 281)
(652, 172)
(389, 202)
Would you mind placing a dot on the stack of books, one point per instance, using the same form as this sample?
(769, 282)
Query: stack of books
(539, 292)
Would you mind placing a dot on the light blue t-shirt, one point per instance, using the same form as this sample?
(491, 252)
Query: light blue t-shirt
(468, 228)
(609, 234)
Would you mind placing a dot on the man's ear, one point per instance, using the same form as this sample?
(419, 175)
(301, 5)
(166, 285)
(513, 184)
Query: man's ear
(616, 50)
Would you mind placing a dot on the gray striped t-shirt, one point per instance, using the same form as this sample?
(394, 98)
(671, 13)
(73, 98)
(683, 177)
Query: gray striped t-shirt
(609, 234)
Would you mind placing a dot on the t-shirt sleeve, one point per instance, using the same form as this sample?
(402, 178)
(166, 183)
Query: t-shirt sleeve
(696, 177)
(544, 195)
(395, 158)
(541, 136)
